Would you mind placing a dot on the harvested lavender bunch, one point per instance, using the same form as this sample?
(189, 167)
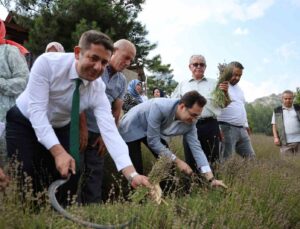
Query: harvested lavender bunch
(159, 172)
(220, 98)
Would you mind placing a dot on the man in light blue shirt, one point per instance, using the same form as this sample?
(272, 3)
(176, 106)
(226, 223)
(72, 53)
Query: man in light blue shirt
(154, 119)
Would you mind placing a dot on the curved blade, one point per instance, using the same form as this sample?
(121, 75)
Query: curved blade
(51, 193)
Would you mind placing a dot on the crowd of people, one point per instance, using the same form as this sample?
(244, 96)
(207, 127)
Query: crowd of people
(69, 113)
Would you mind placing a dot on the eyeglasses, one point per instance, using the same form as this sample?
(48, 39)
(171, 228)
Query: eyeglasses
(197, 65)
(193, 115)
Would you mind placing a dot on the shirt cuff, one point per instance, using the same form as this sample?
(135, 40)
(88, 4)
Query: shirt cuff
(205, 169)
(49, 140)
(123, 162)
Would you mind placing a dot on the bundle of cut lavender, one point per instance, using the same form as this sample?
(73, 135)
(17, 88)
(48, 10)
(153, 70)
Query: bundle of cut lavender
(220, 98)
(159, 172)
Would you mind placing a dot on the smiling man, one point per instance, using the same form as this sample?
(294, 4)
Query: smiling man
(150, 122)
(38, 126)
(92, 159)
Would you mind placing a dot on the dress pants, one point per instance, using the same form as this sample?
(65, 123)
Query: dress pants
(209, 136)
(36, 161)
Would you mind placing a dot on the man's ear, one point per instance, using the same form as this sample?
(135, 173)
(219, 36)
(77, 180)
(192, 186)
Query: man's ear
(77, 51)
(181, 106)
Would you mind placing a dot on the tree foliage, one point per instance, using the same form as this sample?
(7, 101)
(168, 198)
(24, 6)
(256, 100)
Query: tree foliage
(259, 118)
(297, 96)
(65, 20)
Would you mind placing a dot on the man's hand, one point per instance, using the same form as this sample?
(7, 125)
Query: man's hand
(83, 132)
(277, 141)
(218, 183)
(64, 162)
(101, 146)
(140, 180)
(224, 86)
(183, 167)
(4, 180)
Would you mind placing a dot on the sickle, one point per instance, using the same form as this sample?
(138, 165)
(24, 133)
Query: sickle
(51, 193)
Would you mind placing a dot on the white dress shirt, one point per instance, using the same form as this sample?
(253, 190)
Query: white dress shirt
(205, 87)
(235, 112)
(47, 102)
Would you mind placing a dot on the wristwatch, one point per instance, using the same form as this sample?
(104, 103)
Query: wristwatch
(211, 179)
(131, 176)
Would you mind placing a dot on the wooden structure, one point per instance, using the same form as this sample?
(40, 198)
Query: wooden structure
(14, 31)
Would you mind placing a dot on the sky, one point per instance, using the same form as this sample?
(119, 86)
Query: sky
(264, 35)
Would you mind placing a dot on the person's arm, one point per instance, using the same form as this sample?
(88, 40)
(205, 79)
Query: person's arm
(200, 158)
(154, 141)
(16, 83)
(224, 87)
(39, 90)
(114, 143)
(275, 135)
(275, 132)
(116, 109)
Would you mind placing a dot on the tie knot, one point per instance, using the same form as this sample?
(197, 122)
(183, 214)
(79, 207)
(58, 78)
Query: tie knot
(78, 82)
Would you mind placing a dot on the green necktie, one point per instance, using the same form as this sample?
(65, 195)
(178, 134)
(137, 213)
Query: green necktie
(74, 128)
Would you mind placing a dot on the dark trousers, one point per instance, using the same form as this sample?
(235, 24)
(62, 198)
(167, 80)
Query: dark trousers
(135, 153)
(92, 164)
(36, 161)
(209, 136)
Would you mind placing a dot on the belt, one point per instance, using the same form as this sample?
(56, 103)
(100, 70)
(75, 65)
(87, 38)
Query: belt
(207, 119)
(228, 124)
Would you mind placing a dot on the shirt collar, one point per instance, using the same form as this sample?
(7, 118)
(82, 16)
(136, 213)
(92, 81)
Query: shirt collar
(74, 75)
(203, 79)
(287, 108)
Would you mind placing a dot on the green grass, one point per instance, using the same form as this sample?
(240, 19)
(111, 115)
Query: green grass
(262, 193)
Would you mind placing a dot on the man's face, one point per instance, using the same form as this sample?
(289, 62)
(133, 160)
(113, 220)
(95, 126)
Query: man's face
(197, 67)
(122, 58)
(189, 115)
(91, 62)
(236, 76)
(287, 100)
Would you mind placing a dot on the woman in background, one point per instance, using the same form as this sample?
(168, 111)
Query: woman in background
(133, 95)
(54, 47)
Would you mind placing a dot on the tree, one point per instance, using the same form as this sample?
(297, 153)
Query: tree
(65, 20)
(297, 96)
(259, 118)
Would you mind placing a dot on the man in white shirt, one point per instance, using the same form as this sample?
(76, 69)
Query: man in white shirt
(233, 118)
(286, 125)
(38, 126)
(207, 125)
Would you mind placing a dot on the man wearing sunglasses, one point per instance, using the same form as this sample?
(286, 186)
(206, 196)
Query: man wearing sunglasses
(156, 119)
(207, 125)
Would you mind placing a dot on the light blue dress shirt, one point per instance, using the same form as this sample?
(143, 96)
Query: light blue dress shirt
(154, 119)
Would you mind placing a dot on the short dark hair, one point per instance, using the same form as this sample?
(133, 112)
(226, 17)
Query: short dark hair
(236, 65)
(192, 97)
(95, 37)
(288, 92)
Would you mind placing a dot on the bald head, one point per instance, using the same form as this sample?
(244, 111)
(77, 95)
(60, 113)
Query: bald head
(124, 54)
